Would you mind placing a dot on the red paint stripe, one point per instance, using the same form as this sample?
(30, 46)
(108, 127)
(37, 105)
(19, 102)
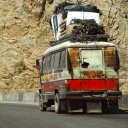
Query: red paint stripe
(78, 85)
(112, 84)
(93, 85)
(51, 86)
(82, 85)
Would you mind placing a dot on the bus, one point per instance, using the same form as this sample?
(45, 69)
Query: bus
(73, 74)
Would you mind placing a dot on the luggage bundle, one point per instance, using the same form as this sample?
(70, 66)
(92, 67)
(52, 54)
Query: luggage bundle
(77, 22)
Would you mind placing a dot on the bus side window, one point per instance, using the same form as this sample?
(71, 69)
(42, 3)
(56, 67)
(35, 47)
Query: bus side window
(48, 63)
(51, 67)
(57, 60)
(62, 59)
(44, 65)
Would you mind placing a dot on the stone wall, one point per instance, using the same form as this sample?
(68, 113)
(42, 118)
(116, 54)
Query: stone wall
(23, 38)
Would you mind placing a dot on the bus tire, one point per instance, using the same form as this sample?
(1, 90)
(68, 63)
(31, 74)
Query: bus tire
(58, 104)
(42, 105)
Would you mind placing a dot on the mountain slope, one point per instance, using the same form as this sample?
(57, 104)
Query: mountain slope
(24, 35)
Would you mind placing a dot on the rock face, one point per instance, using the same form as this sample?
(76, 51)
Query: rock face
(23, 38)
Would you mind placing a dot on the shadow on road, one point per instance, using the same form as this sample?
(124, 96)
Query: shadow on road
(108, 113)
(81, 113)
(118, 112)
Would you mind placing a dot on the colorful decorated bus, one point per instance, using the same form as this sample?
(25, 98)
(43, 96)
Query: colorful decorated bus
(73, 74)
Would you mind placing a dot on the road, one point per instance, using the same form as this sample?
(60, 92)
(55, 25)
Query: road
(28, 116)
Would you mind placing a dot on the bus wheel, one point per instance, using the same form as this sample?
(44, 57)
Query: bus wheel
(59, 104)
(42, 105)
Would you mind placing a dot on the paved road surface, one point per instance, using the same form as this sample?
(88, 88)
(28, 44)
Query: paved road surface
(26, 116)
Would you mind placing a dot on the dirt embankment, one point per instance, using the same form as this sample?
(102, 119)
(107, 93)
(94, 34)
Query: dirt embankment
(23, 38)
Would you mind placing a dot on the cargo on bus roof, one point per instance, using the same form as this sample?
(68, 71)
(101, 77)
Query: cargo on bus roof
(65, 6)
(79, 7)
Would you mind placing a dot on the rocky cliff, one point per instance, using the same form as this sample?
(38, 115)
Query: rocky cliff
(24, 36)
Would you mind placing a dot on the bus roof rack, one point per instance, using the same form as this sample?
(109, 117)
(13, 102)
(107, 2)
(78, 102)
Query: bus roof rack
(80, 38)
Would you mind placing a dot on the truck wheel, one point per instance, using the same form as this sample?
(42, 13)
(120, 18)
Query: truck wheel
(60, 105)
(42, 105)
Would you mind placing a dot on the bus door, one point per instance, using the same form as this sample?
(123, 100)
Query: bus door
(92, 73)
